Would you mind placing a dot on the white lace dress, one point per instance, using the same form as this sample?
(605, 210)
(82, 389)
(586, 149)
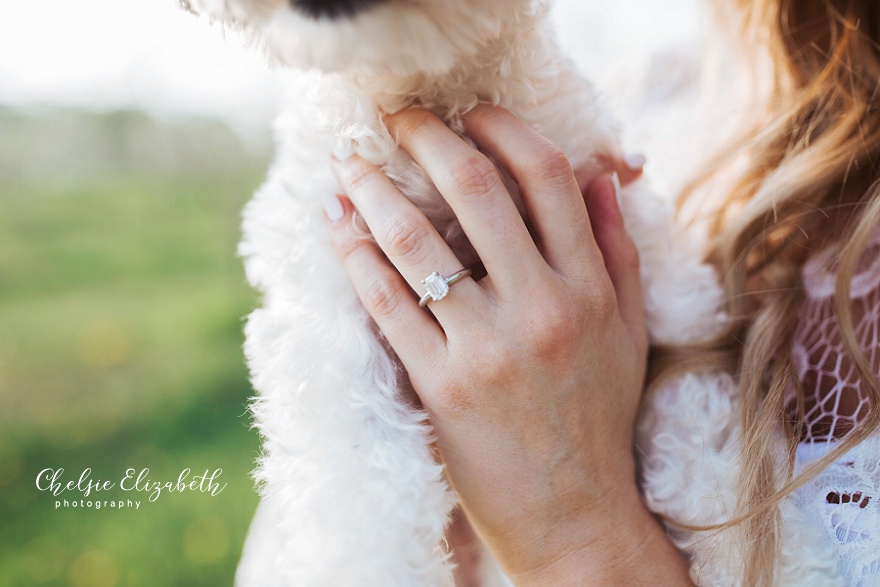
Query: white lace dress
(689, 439)
(845, 498)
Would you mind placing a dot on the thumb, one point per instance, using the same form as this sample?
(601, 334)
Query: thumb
(618, 250)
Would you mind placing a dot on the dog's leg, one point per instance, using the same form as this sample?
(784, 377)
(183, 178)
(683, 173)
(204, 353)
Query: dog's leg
(356, 495)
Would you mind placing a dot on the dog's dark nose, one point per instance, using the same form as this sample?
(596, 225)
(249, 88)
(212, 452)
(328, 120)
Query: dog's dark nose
(333, 9)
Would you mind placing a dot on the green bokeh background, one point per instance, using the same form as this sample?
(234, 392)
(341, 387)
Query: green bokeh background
(121, 310)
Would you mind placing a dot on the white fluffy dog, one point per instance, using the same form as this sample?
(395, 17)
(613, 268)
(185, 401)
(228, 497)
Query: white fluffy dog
(351, 494)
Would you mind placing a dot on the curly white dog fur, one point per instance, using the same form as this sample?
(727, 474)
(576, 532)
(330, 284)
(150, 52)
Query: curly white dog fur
(351, 495)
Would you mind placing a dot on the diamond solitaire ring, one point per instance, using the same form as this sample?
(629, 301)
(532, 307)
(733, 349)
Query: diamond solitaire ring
(438, 286)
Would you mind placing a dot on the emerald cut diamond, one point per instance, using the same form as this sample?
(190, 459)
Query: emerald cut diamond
(437, 286)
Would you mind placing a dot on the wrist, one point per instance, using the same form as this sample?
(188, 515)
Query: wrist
(622, 545)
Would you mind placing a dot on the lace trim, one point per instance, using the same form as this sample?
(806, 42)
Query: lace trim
(843, 500)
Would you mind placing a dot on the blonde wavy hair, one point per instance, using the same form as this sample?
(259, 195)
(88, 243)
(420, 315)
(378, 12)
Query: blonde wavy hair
(804, 174)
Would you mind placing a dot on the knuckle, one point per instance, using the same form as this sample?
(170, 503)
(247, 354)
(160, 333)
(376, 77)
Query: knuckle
(474, 177)
(602, 301)
(407, 238)
(383, 296)
(485, 114)
(555, 316)
(348, 245)
(552, 166)
(553, 327)
(360, 177)
(495, 363)
(408, 123)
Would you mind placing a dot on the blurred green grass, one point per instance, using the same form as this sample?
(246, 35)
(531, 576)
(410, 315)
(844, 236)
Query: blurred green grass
(121, 307)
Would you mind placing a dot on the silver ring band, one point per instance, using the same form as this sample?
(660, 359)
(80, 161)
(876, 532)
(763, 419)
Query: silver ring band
(438, 286)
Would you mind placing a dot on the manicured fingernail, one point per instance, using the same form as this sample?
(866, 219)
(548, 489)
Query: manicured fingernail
(634, 161)
(333, 207)
(343, 150)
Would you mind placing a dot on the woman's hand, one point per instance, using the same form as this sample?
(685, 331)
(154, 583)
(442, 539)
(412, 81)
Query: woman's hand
(531, 376)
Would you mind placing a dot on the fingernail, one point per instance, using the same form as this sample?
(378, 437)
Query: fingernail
(343, 150)
(634, 161)
(333, 207)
